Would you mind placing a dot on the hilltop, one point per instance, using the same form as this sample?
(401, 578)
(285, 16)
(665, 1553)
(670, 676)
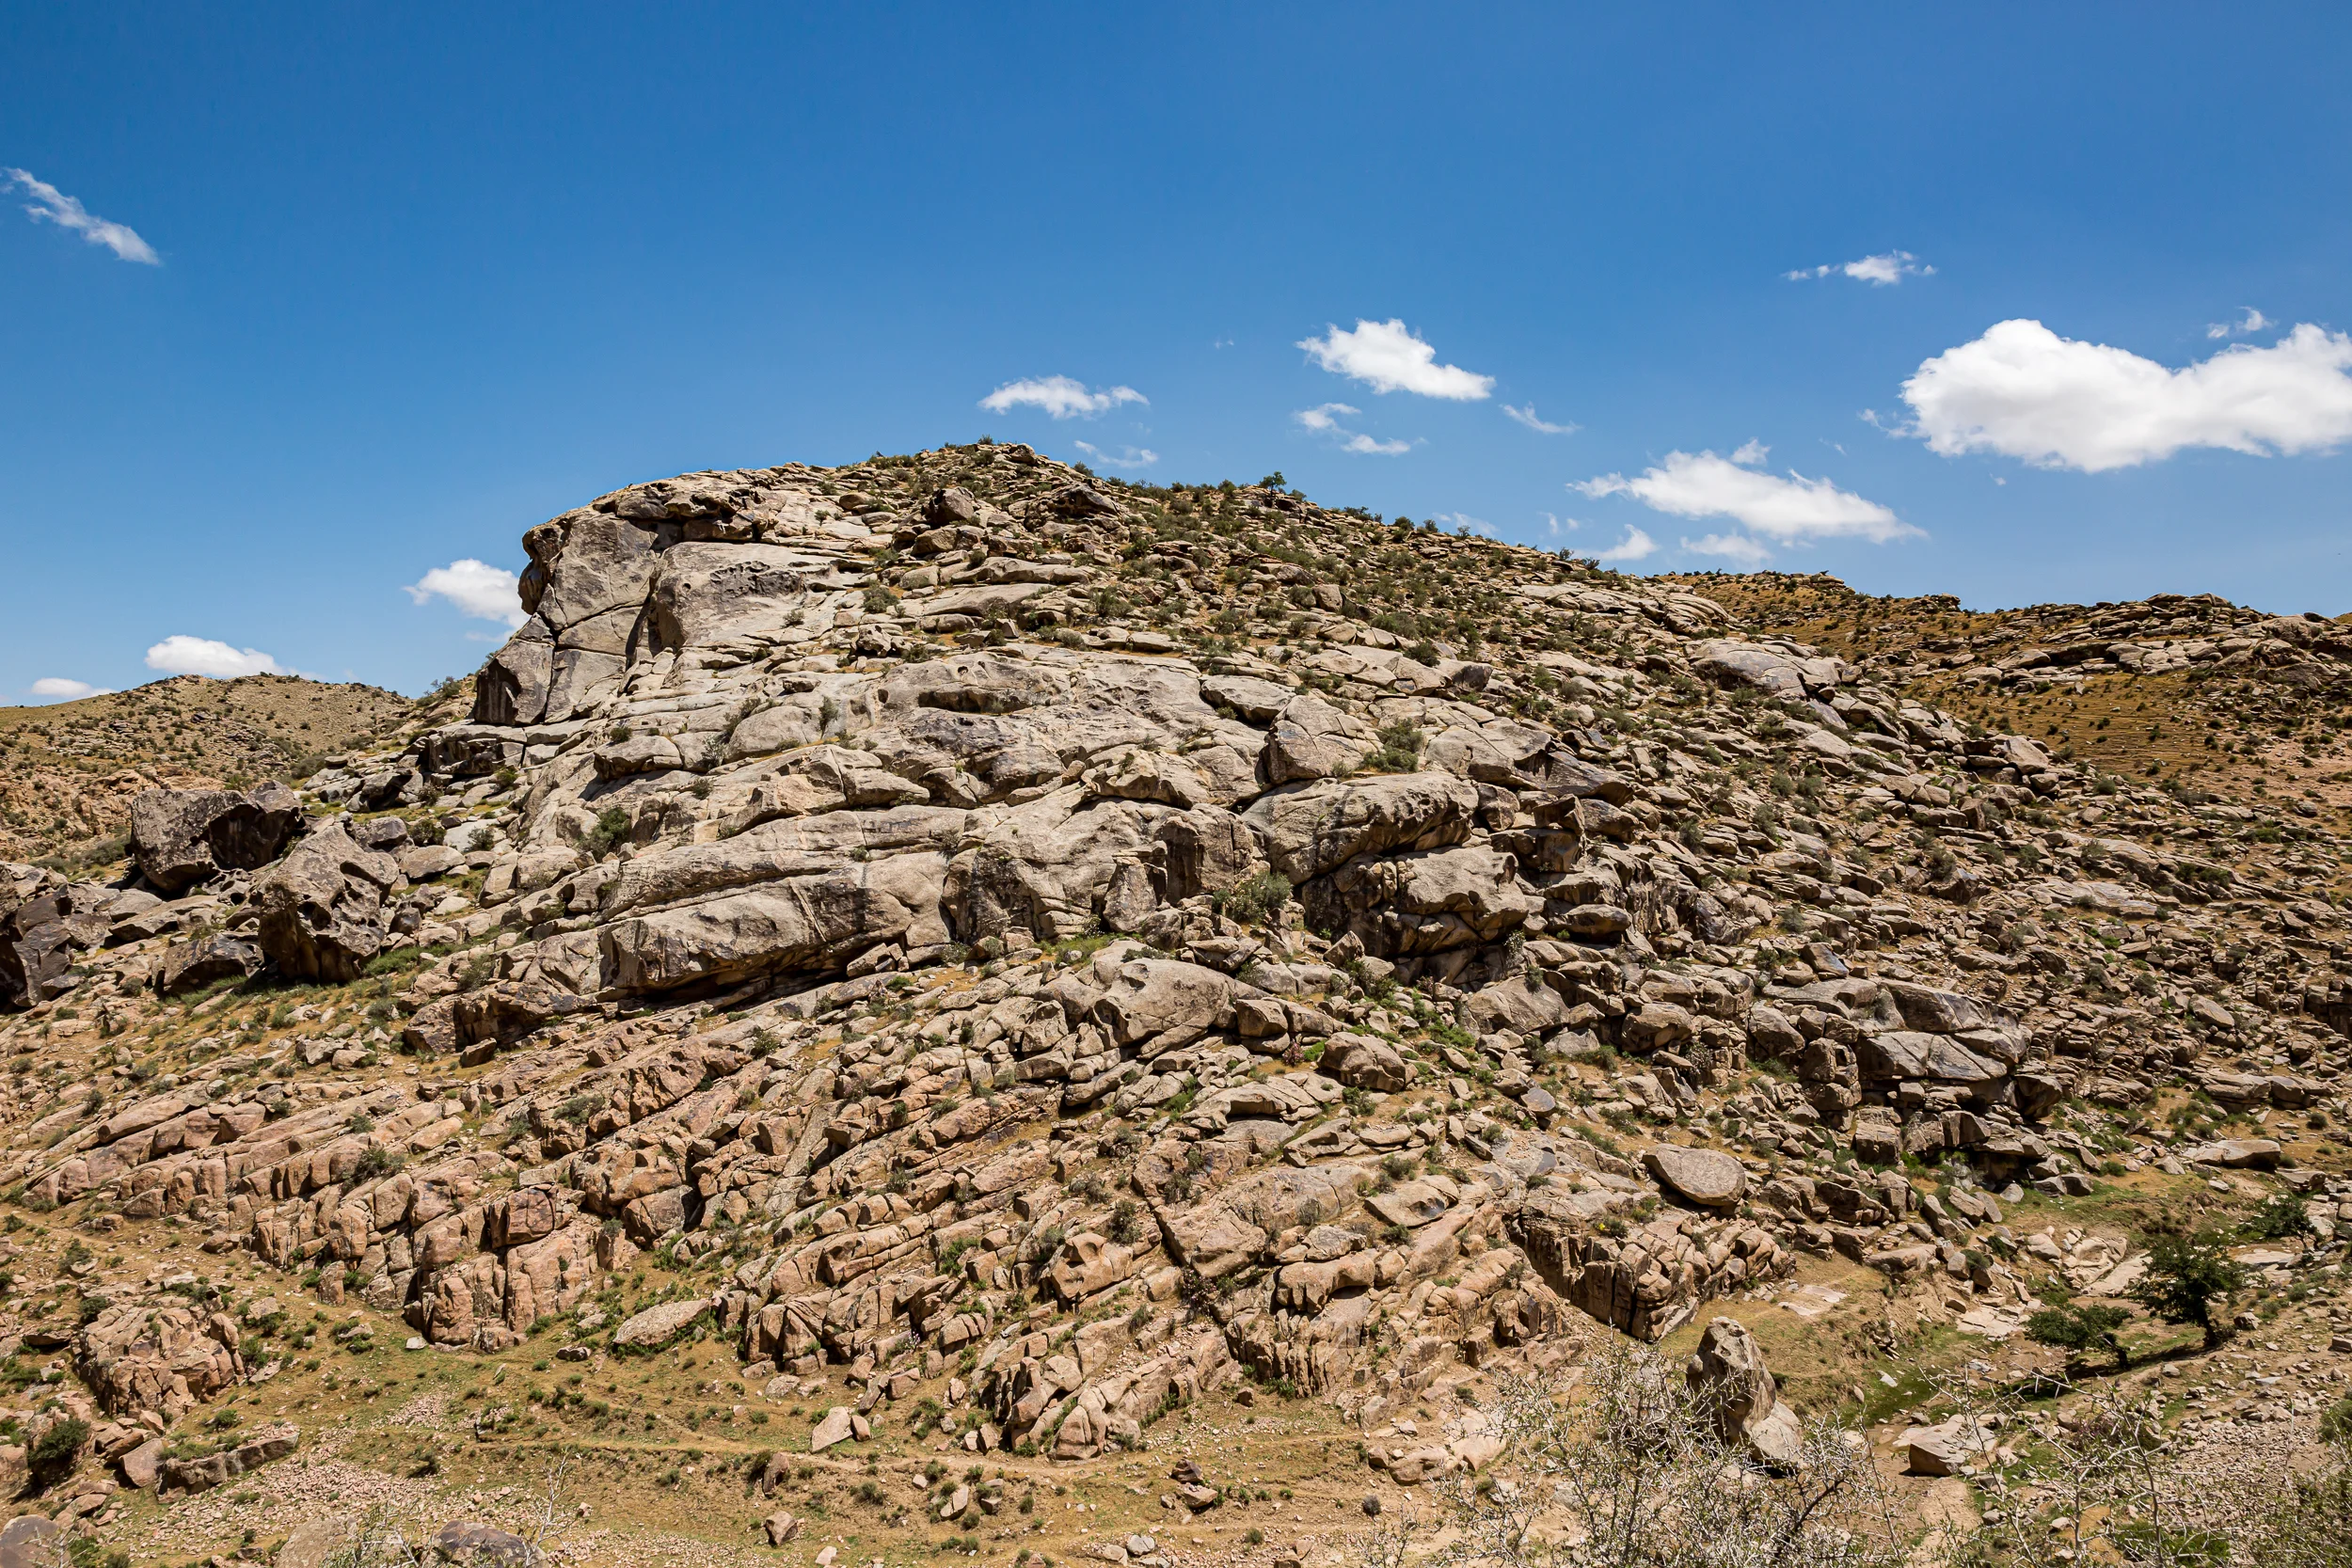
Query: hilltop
(954, 1004)
(67, 770)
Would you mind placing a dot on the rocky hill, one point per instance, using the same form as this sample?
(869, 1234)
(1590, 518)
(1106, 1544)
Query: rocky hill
(69, 770)
(954, 1004)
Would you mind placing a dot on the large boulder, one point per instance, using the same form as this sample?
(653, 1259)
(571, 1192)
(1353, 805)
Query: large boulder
(1773, 670)
(1312, 829)
(1363, 1061)
(1523, 1005)
(1312, 740)
(1703, 1175)
(1728, 1375)
(1425, 901)
(323, 908)
(43, 920)
(1911, 1054)
(811, 922)
(656, 1326)
(138, 1359)
(1153, 996)
(194, 965)
(180, 837)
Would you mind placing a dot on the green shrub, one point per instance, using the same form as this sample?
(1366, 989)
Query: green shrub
(1255, 901)
(1399, 751)
(2081, 1329)
(2281, 1216)
(612, 828)
(54, 1452)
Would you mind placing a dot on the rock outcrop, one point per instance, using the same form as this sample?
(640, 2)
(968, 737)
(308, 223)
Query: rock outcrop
(1049, 949)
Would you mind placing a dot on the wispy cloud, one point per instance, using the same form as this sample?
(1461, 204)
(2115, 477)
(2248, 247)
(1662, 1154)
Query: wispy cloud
(2024, 391)
(1126, 457)
(1888, 267)
(57, 688)
(1324, 420)
(2253, 321)
(52, 205)
(478, 588)
(1791, 511)
(1731, 547)
(1527, 416)
(1386, 358)
(183, 655)
(1635, 545)
(1060, 396)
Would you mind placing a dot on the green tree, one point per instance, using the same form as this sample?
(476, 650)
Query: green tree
(2187, 1278)
(2081, 1330)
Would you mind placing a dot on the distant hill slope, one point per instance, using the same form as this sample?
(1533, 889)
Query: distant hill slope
(68, 771)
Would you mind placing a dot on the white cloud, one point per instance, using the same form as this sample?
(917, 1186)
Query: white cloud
(1126, 457)
(1386, 358)
(2253, 321)
(52, 205)
(183, 655)
(1888, 267)
(1060, 396)
(2022, 390)
(59, 688)
(1555, 525)
(1751, 454)
(1527, 416)
(1731, 547)
(1634, 546)
(485, 592)
(1324, 419)
(1794, 510)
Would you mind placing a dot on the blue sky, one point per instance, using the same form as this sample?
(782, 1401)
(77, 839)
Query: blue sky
(391, 284)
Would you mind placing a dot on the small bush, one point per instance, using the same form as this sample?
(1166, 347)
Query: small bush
(1399, 751)
(2281, 1216)
(1255, 901)
(612, 828)
(54, 1452)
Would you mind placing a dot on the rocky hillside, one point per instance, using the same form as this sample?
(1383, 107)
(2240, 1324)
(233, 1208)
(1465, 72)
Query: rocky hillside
(69, 770)
(951, 1002)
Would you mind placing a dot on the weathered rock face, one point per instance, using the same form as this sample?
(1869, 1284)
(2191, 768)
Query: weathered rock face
(136, 1359)
(1647, 1281)
(181, 837)
(323, 907)
(840, 893)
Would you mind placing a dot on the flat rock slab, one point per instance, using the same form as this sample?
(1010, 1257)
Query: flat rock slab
(2237, 1154)
(1943, 1449)
(834, 1427)
(1414, 1203)
(656, 1326)
(1700, 1174)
